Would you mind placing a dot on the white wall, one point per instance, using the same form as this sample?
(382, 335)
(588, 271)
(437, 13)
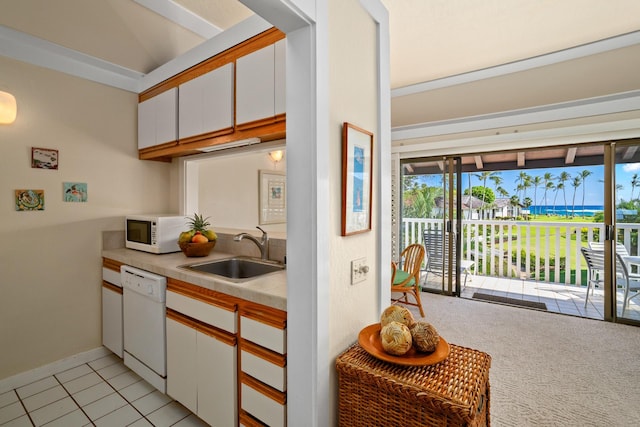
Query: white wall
(353, 98)
(50, 261)
(228, 189)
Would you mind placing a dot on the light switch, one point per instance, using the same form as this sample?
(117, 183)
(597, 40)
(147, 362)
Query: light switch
(359, 270)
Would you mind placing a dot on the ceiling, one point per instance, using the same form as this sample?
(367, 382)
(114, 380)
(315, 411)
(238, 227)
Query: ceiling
(449, 59)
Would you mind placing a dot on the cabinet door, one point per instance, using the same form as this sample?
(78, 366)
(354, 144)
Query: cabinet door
(112, 332)
(158, 119)
(280, 77)
(182, 373)
(167, 116)
(217, 384)
(206, 103)
(146, 124)
(255, 85)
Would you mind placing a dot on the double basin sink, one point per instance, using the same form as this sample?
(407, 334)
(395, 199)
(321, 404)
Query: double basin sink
(238, 268)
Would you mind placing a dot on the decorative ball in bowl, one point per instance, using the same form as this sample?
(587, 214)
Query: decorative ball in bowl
(199, 240)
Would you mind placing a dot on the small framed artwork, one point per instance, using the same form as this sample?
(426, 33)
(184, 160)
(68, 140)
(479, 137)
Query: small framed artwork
(74, 191)
(44, 158)
(273, 198)
(29, 200)
(357, 166)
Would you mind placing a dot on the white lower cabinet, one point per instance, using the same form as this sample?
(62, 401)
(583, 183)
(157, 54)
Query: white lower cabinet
(201, 363)
(112, 327)
(263, 364)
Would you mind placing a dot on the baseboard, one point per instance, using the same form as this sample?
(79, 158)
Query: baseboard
(61, 365)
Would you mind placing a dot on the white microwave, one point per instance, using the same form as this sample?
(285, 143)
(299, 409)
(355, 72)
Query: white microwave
(157, 234)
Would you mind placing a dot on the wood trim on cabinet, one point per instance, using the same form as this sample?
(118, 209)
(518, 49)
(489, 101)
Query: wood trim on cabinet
(112, 287)
(205, 295)
(199, 326)
(264, 389)
(111, 264)
(210, 135)
(261, 122)
(263, 314)
(256, 42)
(268, 132)
(263, 353)
(248, 420)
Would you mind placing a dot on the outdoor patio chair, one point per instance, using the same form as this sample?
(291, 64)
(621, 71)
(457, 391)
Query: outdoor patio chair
(595, 264)
(436, 249)
(622, 250)
(407, 280)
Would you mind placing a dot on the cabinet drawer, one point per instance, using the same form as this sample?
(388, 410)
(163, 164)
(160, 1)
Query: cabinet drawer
(207, 313)
(265, 408)
(273, 374)
(111, 276)
(265, 335)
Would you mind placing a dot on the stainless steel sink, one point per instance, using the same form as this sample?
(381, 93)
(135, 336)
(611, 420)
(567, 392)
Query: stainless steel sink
(237, 267)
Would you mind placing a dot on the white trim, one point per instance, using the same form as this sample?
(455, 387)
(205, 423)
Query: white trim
(181, 16)
(56, 367)
(621, 129)
(382, 148)
(612, 43)
(609, 104)
(33, 50)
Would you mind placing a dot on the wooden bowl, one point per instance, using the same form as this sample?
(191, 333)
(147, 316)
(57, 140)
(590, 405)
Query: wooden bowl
(197, 249)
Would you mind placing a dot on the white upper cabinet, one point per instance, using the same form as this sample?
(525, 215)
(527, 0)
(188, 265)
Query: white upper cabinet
(280, 76)
(158, 119)
(206, 103)
(255, 85)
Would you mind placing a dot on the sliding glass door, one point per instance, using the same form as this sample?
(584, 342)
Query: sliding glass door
(625, 196)
(431, 216)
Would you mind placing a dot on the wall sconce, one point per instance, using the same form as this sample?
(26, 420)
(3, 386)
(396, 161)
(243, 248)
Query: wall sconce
(276, 156)
(8, 108)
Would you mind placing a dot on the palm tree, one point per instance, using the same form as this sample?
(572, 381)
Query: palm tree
(559, 187)
(522, 177)
(548, 185)
(562, 178)
(483, 176)
(634, 184)
(583, 175)
(536, 182)
(577, 181)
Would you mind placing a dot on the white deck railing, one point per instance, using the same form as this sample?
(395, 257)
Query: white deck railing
(540, 245)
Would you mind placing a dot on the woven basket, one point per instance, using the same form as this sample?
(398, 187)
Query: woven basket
(197, 249)
(374, 393)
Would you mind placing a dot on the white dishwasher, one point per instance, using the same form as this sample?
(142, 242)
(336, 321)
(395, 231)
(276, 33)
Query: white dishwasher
(144, 309)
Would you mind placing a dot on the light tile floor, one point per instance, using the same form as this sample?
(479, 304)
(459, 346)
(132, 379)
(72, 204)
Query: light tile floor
(563, 299)
(103, 392)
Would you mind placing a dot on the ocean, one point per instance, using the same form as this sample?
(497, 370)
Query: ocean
(580, 210)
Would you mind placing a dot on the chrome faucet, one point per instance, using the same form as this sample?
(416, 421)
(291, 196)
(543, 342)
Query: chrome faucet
(263, 243)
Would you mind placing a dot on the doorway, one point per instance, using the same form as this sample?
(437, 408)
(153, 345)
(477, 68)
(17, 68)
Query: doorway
(517, 221)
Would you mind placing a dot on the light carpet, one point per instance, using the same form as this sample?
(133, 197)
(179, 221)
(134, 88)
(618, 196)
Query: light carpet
(547, 369)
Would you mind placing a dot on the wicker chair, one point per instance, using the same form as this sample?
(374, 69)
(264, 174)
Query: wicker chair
(407, 280)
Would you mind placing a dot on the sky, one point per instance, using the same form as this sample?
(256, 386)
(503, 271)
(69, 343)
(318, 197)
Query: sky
(594, 194)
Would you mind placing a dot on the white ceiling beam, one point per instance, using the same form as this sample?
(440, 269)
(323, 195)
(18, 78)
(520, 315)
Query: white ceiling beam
(182, 16)
(571, 156)
(33, 50)
(601, 46)
(608, 104)
(479, 164)
(521, 159)
(408, 167)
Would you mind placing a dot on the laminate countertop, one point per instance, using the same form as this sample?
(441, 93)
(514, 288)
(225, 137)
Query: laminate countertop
(269, 289)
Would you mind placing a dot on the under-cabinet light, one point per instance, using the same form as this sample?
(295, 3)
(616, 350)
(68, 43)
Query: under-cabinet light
(241, 143)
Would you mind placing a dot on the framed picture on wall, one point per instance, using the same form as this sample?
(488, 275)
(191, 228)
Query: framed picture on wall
(357, 166)
(44, 158)
(272, 197)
